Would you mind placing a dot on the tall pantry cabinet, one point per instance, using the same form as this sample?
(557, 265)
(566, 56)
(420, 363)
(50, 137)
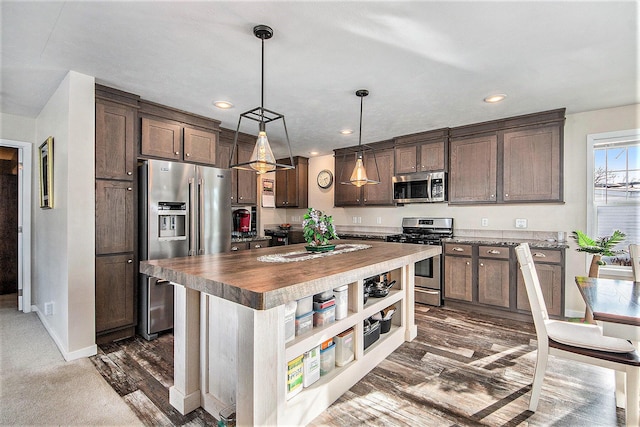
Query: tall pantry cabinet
(116, 230)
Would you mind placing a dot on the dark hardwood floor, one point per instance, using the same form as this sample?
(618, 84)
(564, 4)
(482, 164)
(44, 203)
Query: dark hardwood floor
(463, 369)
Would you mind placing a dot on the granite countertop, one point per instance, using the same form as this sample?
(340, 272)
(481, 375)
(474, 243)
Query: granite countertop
(500, 241)
(365, 236)
(249, 239)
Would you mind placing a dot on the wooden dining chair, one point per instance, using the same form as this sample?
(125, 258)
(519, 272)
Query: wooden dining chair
(576, 341)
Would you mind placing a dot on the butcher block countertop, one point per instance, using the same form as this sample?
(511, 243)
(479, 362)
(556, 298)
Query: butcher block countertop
(239, 276)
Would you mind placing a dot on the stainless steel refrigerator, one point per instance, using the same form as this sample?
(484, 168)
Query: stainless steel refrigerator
(185, 210)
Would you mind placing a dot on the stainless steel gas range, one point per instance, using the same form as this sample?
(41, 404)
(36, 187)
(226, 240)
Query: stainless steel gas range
(428, 273)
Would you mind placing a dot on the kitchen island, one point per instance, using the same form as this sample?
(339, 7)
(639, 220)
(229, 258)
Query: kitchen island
(229, 333)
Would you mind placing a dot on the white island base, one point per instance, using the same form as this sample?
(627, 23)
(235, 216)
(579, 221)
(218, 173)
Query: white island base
(227, 353)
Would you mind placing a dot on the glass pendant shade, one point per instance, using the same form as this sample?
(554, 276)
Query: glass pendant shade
(359, 175)
(262, 159)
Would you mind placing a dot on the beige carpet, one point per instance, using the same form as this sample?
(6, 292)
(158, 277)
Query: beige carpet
(38, 387)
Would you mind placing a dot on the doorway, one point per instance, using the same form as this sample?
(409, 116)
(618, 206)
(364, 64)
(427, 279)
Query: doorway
(15, 221)
(9, 222)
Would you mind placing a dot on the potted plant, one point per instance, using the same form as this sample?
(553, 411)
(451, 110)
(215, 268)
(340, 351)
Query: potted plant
(318, 230)
(602, 246)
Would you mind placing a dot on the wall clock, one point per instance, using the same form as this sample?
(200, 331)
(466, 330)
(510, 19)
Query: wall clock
(325, 178)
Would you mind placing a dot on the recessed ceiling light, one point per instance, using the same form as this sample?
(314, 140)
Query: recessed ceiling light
(314, 153)
(491, 99)
(224, 105)
(346, 131)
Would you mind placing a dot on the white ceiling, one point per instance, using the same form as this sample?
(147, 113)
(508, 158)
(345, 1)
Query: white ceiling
(427, 64)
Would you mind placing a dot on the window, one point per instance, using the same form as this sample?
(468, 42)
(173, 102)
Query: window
(614, 188)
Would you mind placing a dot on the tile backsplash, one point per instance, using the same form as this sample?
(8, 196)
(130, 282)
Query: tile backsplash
(511, 234)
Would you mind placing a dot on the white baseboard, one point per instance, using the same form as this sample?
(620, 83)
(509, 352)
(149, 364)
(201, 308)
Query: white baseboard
(68, 355)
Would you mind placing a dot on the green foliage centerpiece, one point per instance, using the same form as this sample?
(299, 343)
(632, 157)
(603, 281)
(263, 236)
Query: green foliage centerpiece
(318, 230)
(602, 246)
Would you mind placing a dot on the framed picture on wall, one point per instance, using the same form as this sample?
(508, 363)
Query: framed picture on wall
(46, 174)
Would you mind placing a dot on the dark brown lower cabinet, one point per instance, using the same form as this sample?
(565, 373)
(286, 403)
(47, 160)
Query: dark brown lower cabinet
(493, 282)
(253, 244)
(458, 276)
(487, 278)
(550, 274)
(115, 293)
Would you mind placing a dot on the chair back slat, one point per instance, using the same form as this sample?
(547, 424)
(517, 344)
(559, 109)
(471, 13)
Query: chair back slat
(634, 252)
(534, 292)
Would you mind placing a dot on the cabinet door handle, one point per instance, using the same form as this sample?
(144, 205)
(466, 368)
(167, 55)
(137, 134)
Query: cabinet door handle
(129, 173)
(129, 261)
(234, 248)
(506, 195)
(257, 246)
(457, 249)
(129, 189)
(177, 152)
(493, 252)
(539, 255)
(481, 265)
(493, 196)
(188, 155)
(467, 262)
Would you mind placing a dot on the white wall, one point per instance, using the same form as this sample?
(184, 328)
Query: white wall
(63, 239)
(17, 128)
(541, 217)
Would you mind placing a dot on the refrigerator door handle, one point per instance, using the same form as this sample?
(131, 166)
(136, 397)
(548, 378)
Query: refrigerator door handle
(192, 218)
(429, 188)
(201, 216)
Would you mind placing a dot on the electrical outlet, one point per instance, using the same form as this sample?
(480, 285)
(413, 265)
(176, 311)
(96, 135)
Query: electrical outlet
(484, 222)
(359, 220)
(354, 219)
(521, 223)
(379, 220)
(48, 308)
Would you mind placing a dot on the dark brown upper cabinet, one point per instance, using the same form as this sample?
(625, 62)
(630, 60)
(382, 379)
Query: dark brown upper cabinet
(532, 164)
(514, 160)
(243, 183)
(174, 141)
(171, 134)
(472, 171)
(292, 184)
(421, 152)
(115, 140)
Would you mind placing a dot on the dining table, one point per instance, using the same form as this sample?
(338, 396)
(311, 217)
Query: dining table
(615, 306)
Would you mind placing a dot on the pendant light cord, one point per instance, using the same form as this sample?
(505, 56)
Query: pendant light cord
(262, 88)
(360, 133)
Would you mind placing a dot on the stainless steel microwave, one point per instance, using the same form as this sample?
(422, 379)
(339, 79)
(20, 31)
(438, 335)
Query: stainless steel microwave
(423, 187)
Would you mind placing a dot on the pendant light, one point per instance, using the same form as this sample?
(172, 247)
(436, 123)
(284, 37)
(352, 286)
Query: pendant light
(359, 175)
(262, 159)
